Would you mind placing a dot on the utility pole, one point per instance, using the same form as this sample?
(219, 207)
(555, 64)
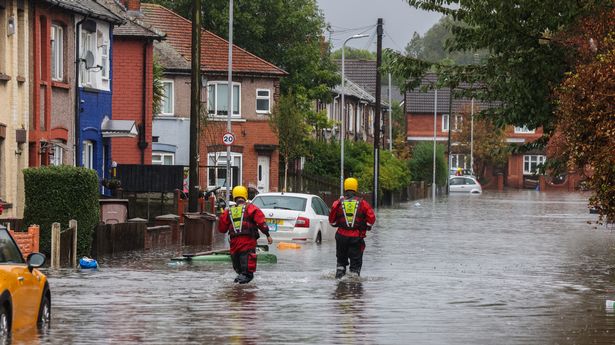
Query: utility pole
(450, 129)
(379, 31)
(435, 118)
(390, 117)
(229, 111)
(195, 108)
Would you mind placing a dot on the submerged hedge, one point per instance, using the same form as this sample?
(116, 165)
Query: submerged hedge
(58, 194)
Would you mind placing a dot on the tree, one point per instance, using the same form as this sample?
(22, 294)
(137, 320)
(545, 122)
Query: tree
(354, 53)
(157, 87)
(490, 148)
(586, 113)
(520, 71)
(421, 163)
(287, 33)
(287, 122)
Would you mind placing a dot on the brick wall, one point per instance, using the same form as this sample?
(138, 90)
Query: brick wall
(128, 93)
(421, 125)
(28, 242)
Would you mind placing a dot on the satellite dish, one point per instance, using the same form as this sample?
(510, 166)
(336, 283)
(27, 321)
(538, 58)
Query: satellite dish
(89, 59)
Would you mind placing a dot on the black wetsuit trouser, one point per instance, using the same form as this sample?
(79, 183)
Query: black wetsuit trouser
(245, 262)
(349, 248)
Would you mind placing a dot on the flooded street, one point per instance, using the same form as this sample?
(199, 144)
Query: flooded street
(514, 268)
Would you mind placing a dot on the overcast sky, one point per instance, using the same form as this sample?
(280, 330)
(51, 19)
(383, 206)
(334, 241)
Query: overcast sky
(400, 21)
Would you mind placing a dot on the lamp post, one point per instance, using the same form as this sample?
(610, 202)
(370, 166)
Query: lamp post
(343, 115)
(229, 110)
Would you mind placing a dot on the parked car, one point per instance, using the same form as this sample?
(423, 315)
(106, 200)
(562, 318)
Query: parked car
(25, 298)
(465, 184)
(295, 216)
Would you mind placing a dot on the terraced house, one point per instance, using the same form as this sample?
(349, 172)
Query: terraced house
(14, 103)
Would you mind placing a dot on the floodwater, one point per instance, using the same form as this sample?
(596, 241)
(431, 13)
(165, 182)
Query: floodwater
(499, 268)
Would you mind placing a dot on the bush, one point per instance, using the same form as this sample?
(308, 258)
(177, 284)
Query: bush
(421, 163)
(394, 173)
(58, 194)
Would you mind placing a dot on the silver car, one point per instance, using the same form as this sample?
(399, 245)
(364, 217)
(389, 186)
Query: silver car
(464, 184)
(295, 216)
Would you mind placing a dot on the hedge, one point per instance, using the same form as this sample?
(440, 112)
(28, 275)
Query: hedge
(58, 194)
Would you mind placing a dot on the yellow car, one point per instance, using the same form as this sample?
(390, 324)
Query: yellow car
(25, 299)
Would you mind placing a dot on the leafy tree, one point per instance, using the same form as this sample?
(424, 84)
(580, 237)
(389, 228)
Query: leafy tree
(586, 113)
(354, 53)
(287, 121)
(421, 163)
(287, 33)
(520, 71)
(490, 148)
(394, 173)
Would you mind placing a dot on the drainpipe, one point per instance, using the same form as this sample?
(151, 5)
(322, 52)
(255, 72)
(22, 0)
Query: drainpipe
(77, 93)
(142, 139)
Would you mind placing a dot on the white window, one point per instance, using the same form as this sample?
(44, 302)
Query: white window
(87, 155)
(444, 122)
(524, 130)
(263, 101)
(163, 158)
(88, 43)
(168, 101)
(458, 123)
(350, 117)
(57, 52)
(531, 163)
(459, 160)
(58, 155)
(217, 99)
(103, 51)
(216, 172)
(370, 121)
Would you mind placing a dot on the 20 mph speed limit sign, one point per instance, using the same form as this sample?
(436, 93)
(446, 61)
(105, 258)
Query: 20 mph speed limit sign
(228, 139)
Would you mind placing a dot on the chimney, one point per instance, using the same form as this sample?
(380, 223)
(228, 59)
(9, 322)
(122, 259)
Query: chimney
(132, 5)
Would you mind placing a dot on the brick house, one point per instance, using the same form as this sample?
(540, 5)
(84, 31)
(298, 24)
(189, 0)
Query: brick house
(521, 169)
(133, 58)
(15, 57)
(256, 87)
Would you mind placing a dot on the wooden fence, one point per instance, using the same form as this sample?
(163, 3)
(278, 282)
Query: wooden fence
(64, 245)
(115, 238)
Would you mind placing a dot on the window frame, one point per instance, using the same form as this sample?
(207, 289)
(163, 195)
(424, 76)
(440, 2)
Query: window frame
(87, 151)
(57, 52)
(172, 107)
(58, 156)
(216, 160)
(268, 98)
(445, 122)
(162, 155)
(103, 52)
(215, 84)
(529, 159)
(86, 76)
(524, 130)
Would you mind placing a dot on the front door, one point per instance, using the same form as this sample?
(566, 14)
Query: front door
(262, 174)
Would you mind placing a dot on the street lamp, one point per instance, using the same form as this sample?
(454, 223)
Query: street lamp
(343, 115)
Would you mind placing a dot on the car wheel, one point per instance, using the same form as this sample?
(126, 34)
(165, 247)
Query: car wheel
(319, 238)
(5, 323)
(44, 314)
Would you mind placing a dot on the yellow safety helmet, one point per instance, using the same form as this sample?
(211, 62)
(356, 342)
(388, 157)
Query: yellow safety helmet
(240, 192)
(352, 184)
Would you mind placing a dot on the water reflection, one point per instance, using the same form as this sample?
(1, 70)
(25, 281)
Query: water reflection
(242, 320)
(349, 308)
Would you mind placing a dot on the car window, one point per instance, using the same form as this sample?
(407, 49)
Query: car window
(469, 181)
(282, 202)
(324, 206)
(9, 252)
(319, 206)
(316, 207)
(456, 181)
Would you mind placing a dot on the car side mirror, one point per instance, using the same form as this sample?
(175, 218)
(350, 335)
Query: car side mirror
(35, 260)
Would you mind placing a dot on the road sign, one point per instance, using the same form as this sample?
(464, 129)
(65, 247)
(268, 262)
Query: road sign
(228, 139)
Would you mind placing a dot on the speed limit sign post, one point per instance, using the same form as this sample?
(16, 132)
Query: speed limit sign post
(228, 139)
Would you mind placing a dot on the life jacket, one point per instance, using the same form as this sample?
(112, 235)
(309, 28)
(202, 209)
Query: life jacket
(241, 223)
(350, 215)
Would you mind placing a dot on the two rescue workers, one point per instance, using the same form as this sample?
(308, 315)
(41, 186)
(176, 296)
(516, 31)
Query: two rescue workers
(353, 217)
(243, 221)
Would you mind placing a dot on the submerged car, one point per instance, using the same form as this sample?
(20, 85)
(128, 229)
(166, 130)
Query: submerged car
(295, 216)
(464, 184)
(25, 298)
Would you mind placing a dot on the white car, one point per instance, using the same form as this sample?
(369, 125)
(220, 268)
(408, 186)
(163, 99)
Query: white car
(295, 216)
(464, 184)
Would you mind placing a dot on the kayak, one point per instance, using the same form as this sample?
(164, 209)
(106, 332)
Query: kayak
(225, 256)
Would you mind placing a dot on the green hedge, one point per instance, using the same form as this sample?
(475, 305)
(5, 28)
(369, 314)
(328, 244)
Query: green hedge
(58, 194)
(421, 163)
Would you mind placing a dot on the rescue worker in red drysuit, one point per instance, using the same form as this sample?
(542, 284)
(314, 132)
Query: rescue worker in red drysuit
(353, 217)
(242, 222)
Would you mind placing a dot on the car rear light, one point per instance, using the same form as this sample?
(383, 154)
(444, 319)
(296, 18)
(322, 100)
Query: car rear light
(302, 222)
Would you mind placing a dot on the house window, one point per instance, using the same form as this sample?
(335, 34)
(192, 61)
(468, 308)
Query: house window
(163, 158)
(350, 117)
(217, 99)
(524, 130)
(57, 52)
(87, 159)
(3, 25)
(444, 122)
(216, 172)
(459, 160)
(58, 155)
(531, 163)
(88, 43)
(263, 101)
(458, 123)
(103, 51)
(370, 121)
(168, 101)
